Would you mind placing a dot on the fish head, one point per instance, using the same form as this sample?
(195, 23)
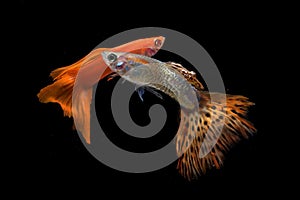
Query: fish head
(155, 44)
(146, 46)
(131, 67)
(117, 61)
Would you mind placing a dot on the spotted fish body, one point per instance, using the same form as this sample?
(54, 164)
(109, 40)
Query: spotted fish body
(205, 133)
(145, 71)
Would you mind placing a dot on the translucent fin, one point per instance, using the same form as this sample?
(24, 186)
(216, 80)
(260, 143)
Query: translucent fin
(204, 125)
(81, 111)
(62, 88)
(140, 92)
(153, 91)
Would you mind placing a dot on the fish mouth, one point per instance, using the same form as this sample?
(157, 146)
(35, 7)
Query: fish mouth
(159, 41)
(151, 52)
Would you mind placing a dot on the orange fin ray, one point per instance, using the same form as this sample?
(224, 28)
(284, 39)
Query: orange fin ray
(81, 111)
(64, 79)
(59, 92)
(205, 124)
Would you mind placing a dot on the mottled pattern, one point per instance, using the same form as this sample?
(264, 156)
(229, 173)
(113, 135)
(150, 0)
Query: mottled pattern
(205, 133)
(195, 130)
(190, 76)
(163, 77)
(222, 121)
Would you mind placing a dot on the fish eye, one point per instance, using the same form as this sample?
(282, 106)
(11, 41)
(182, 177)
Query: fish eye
(120, 65)
(157, 42)
(112, 57)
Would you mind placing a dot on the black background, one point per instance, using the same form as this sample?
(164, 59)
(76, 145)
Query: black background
(53, 35)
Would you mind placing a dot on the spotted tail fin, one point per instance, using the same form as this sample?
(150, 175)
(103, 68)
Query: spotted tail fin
(205, 127)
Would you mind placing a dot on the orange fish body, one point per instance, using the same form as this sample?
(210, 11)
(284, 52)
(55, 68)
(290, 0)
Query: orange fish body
(94, 67)
(75, 101)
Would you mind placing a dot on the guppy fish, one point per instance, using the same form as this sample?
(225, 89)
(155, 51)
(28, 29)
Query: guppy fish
(198, 128)
(92, 69)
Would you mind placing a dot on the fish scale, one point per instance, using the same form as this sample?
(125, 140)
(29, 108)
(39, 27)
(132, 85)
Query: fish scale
(205, 133)
(146, 71)
(160, 76)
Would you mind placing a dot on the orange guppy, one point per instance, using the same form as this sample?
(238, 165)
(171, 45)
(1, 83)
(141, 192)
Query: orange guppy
(75, 99)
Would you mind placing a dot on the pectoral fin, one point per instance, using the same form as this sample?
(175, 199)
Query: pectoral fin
(141, 92)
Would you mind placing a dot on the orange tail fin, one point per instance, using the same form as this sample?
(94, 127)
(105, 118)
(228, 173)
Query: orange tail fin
(81, 111)
(62, 91)
(64, 78)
